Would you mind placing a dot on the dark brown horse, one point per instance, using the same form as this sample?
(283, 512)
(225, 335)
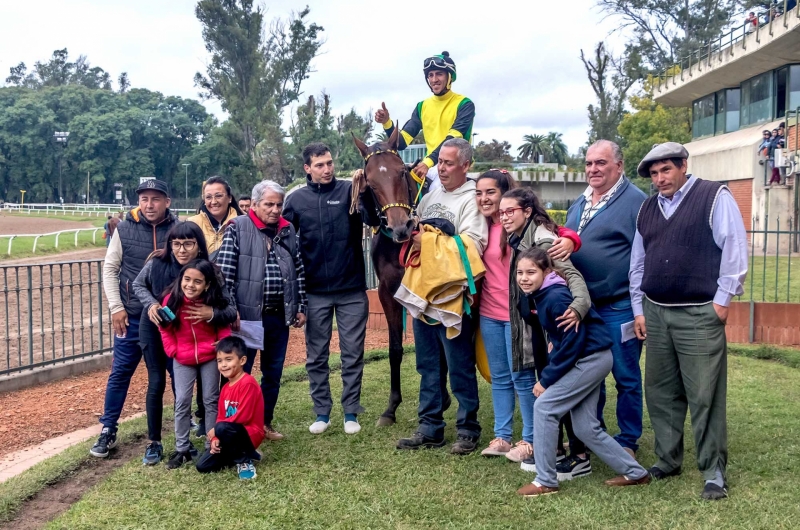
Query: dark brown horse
(388, 188)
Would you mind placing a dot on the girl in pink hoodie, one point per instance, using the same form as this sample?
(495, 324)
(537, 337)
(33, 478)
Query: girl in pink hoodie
(190, 341)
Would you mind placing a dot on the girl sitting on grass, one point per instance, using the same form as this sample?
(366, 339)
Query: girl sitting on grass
(570, 383)
(191, 344)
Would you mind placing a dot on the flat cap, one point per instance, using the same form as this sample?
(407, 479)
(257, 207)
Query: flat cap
(153, 185)
(661, 152)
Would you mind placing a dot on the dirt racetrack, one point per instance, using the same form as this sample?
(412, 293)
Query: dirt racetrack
(18, 224)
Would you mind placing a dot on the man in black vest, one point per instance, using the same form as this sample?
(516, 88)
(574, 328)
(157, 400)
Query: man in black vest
(689, 259)
(330, 244)
(143, 231)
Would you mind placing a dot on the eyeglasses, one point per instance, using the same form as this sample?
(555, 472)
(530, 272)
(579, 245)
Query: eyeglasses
(188, 246)
(508, 212)
(217, 197)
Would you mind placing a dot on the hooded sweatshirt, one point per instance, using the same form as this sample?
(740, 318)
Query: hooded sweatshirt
(550, 302)
(460, 208)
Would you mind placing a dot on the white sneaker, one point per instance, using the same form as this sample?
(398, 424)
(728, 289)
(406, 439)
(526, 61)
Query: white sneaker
(319, 427)
(352, 427)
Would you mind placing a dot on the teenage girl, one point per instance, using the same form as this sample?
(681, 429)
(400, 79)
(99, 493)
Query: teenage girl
(191, 344)
(570, 383)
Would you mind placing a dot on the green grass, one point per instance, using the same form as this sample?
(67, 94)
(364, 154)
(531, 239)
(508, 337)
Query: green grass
(786, 356)
(337, 481)
(22, 247)
(764, 272)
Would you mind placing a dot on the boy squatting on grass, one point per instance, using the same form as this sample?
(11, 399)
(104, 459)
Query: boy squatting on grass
(240, 417)
(570, 383)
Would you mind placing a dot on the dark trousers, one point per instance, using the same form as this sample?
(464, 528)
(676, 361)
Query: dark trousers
(235, 448)
(127, 354)
(273, 355)
(158, 366)
(460, 355)
(576, 446)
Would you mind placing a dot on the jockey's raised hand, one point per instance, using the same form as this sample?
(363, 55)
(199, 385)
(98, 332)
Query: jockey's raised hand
(382, 114)
(421, 170)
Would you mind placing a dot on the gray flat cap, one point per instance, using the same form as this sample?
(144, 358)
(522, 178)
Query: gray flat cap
(661, 152)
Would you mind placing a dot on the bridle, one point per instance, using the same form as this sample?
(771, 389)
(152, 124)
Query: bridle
(406, 173)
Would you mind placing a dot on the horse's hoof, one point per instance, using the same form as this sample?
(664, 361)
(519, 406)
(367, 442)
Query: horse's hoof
(385, 421)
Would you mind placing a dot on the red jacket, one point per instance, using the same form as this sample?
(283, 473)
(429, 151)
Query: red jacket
(243, 403)
(192, 343)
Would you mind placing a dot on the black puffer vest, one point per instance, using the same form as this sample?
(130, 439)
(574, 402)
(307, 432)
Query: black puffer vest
(249, 285)
(139, 239)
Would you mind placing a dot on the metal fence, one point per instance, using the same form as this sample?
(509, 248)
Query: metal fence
(774, 256)
(52, 313)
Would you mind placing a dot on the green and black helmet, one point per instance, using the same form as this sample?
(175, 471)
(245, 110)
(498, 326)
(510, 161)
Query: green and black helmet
(443, 63)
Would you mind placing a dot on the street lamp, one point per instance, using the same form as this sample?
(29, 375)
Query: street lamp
(61, 138)
(186, 171)
(472, 138)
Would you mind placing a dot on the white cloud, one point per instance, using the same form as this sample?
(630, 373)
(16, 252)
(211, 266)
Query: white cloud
(518, 61)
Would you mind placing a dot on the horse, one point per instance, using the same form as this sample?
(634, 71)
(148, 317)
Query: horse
(387, 187)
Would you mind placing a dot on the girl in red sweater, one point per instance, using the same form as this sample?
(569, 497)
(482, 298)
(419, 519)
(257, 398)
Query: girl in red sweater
(191, 341)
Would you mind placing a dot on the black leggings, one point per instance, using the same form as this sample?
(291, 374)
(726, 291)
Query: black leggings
(235, 448)
(576, 447)
(158, 365)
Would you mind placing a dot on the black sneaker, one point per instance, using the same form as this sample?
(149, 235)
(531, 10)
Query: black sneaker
(193, 451)
(106, 442)
(153, 454)
(419, 440)
(529, 464)
(177, 459)
(657, 474)
(200, 429)
(464, 445)
(712, 492)
(574, 467)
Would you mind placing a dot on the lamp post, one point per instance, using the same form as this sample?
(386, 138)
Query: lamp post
(61, 138)
(472, 138)
(186, 172)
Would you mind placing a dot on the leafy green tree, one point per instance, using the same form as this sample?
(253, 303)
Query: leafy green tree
(651, 123)
(533, 145)
(59, 71)
(493, 151)
(611, 79)
(557, 148)
(256, 73)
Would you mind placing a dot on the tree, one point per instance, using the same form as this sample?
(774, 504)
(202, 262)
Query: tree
(256, 73)
(651, 123)
(58, 71)
(663, 31)
(610, 79)
(557, 148)
(533, 146)
(493, 152)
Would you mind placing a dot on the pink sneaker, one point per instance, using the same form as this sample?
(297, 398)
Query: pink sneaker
(497, 447)
(520, 452)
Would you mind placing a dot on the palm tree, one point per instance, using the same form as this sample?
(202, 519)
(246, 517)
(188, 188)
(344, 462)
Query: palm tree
(558, 150)
(533, 146)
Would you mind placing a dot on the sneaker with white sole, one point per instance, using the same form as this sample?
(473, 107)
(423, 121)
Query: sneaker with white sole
(246, 471)
(105, 443)
(319, 427)
(574, 467)
(497, 447)
(351, 427)
(520, 452)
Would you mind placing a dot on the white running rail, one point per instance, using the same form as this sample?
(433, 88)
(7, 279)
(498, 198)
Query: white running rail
(76, 231)
(79, 210)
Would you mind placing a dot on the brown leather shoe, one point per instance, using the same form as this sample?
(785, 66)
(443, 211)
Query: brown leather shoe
(630, 452)
(534, 489)
(271, 434)
(622, 480)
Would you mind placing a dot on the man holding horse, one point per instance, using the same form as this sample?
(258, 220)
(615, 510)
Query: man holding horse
(442, 116)
(330, 245)
(455, 202)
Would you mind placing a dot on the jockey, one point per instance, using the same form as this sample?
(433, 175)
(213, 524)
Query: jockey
(442, 116)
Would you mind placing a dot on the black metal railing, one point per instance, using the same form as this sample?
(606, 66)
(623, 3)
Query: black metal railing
(773, 255)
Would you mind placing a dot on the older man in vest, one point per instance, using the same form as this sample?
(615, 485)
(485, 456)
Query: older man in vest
(689, 259)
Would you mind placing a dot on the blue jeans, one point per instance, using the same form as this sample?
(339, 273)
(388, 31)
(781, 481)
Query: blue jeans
(505, 383)
(627, 374)
(127, 354)
(276, 339)
(460, 355)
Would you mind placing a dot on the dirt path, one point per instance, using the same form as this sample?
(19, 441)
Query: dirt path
(18, 224)
(74, 255)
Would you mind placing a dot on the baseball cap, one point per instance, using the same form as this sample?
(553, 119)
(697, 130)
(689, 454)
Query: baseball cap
(153, 185)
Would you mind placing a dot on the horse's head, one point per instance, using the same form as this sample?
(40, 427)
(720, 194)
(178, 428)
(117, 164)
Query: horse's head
(391, 183)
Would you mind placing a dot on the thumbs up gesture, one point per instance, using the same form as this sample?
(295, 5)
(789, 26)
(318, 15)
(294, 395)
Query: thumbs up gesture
(382, 114)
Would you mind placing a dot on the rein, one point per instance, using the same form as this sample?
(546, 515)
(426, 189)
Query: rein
(420, 181)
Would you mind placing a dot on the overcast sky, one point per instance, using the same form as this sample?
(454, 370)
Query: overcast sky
(518, 61)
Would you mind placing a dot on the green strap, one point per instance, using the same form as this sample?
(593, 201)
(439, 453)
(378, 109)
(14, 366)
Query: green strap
(465, 262)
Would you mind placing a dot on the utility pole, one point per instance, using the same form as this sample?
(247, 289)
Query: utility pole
(186, 171)
(87, 187)
(61, 138)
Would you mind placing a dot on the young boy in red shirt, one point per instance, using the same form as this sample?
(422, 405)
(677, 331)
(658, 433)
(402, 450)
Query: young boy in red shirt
(240, 420)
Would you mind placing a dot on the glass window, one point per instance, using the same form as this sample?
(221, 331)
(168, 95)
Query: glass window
(719, 113)
(703, 117)
(757, 99)
(781, 92)
(794, 87)
(732, 105)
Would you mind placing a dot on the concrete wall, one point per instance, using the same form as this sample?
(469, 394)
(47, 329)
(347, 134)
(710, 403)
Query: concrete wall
(551, 186)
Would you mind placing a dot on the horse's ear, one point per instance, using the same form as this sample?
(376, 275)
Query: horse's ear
(359, 185)
(362, 147)
(394, 139)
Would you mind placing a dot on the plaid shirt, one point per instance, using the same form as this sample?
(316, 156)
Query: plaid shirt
(228, 262)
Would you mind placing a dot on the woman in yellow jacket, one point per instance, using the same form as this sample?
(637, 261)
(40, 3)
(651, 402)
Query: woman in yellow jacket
(219, 206)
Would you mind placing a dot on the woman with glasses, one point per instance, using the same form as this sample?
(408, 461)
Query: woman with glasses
(495, 323)
(219, 206)
(185, 242)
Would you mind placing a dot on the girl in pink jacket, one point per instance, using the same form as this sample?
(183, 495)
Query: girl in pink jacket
(189, 339)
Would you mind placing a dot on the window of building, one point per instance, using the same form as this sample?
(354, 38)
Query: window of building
(794, 87)
(757, 99)
(727, 111)
(703, 116)
(781, 91)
